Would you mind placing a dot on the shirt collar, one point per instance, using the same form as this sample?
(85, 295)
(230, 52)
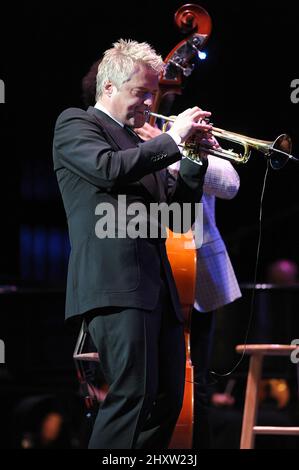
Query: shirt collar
(104, 110)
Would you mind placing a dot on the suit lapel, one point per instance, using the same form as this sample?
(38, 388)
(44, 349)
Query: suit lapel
(122, 139)
(114, 132)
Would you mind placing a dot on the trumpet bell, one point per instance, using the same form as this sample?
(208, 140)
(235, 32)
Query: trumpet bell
(280, 151)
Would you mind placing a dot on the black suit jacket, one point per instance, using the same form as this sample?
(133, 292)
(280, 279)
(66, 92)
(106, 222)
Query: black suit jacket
(96, 160)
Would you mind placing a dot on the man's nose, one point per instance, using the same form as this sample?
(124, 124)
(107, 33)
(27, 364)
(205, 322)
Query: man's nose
(149, 99)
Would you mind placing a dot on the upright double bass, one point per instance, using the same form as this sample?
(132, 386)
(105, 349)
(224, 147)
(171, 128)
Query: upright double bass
(196, 24)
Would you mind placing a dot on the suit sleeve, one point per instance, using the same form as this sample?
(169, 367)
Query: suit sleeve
(187, 187)
(81, 146)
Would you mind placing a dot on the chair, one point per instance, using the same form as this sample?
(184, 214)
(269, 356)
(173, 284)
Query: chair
(249, 428)
(86, 389)
(78, 354)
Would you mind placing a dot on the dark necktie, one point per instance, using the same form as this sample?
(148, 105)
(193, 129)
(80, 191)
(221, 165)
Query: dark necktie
(133, 135)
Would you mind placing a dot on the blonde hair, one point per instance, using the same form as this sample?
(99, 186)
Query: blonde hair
(118, 63)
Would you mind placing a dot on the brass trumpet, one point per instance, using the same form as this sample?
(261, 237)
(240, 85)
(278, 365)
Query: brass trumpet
(278, 151)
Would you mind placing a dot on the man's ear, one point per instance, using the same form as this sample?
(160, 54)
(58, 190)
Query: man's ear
(109, 89)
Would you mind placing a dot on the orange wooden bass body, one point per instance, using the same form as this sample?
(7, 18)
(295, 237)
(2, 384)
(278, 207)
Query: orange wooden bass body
(182, 256)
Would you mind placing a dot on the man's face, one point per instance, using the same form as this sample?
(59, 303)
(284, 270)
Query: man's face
(128, 103)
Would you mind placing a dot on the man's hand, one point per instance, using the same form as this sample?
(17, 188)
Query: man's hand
(147, 132)
(206, 140)
(190, 122)
(210, 140)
